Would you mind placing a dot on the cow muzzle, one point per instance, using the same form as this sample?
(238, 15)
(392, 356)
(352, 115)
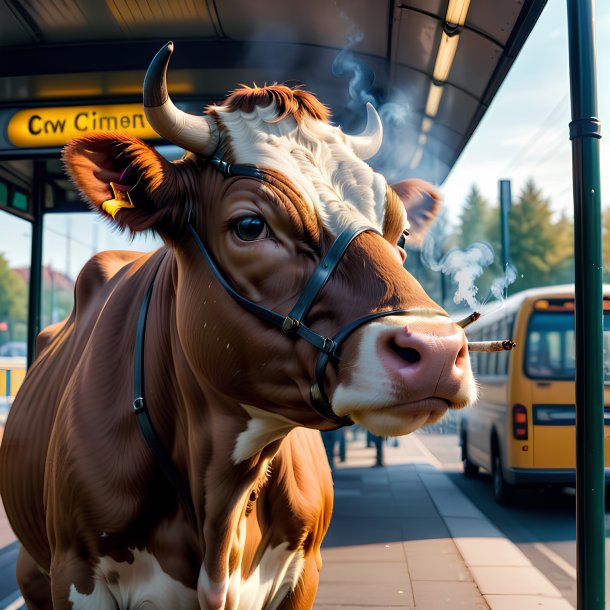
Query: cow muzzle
(404, 371)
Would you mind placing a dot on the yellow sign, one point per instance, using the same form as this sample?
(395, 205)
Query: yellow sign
(57, 126)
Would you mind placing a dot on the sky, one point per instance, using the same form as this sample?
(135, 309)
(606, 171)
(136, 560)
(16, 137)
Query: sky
(524, 134)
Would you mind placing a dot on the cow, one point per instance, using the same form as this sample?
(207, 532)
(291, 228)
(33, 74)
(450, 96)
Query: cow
(164, 450)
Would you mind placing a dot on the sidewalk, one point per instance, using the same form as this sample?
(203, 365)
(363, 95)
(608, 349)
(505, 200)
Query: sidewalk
(403, 536)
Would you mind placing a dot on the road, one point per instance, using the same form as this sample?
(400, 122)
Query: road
(542, 522)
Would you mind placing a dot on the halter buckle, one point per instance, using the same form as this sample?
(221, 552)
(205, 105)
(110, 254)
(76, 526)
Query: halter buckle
(290, 325)
(138, 405)
(328, 346)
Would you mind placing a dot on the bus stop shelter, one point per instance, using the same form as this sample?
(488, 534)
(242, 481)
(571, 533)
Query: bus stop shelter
(431, 67)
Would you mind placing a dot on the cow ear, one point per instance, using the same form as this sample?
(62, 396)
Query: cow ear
(422, 202)
(125, 181)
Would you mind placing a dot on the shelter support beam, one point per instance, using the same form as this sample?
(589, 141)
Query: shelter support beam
(35, 293)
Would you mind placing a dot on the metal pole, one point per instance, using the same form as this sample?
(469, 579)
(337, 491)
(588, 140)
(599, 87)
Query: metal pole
(505, 205)
(585, 131)
(35, 296)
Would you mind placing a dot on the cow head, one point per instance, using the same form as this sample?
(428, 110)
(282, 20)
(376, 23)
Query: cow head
(268, 230)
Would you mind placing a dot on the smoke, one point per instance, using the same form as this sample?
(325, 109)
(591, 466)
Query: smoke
(361, 77)
(394, 108)
(500, 285)
(465, 267)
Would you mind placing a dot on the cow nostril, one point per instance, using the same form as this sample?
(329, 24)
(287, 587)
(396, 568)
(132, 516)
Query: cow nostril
(408, 354)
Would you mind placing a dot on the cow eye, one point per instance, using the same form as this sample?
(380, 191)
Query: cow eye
(250, 228)
(402, 240)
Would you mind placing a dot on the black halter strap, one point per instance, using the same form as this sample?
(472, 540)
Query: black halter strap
(292, 324)
(143, 418)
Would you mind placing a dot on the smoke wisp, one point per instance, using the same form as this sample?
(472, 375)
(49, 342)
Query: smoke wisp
(465, 267)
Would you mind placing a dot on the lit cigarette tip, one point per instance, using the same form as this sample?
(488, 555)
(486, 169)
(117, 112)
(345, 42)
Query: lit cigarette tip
(473, 317)
(491, 346)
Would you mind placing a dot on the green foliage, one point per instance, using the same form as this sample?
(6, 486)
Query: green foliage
(541, 246)
(541, 249)
(475, 219)
(13, 302)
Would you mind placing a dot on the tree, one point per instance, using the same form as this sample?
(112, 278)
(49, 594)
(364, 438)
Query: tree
(474, 219)
(540, 249)
(13, 301)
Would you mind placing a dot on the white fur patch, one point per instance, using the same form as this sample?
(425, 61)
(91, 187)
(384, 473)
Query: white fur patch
(341, 188)
(277, 574)
(370, 383)
(212, 595)
(125, 585)
(262, 429)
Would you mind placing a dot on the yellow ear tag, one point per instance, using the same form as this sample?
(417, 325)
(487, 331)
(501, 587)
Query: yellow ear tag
(120, 200)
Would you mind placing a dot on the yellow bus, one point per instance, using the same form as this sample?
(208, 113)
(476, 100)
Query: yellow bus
(523, 428)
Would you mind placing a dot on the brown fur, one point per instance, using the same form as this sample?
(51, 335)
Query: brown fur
(288, 100)
(76, 475)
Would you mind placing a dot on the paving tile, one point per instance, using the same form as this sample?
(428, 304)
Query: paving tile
(430, 595)
(392, 551)
(346, 531)
(513, 581)
(383, 573)
(437, 547)
(439, 568)
(424, 528)
(472, 527)
(449, 500)
(419, 506)
(490, 552)
(526, 602)
(384, 585)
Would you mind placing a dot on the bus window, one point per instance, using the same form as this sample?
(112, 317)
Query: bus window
(607, 346)
(502, 357)
(550, 346)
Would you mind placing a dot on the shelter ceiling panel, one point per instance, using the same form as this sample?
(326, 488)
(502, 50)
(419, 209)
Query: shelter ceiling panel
(50, 21)
(475, 62)
(434, 7)
(12, 29)
(417, 39)
(411, 86)
(433, 168)
(152, 18)
(361, 24)
(446, 134)
(457, 109)
(495, 19)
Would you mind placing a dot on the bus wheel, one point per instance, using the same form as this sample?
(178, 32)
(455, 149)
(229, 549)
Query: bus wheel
(470, 470)
(504, 492)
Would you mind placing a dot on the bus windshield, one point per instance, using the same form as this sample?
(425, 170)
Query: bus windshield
(550, 351)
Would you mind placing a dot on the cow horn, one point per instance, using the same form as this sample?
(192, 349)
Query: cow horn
(368, 142)
(195, 133)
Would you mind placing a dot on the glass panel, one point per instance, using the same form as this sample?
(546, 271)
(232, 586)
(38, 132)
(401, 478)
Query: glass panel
(3, 193)
(69, 241)
(15, 245)
(20, 201)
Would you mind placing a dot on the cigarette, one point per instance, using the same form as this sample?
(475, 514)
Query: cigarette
(491, 346)
(468, 320)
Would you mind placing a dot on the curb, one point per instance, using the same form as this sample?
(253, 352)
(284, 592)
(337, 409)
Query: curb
(504, 575)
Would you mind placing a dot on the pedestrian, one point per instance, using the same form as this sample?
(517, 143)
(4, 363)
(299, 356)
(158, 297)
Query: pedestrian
(378, 442)
(331, 438)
